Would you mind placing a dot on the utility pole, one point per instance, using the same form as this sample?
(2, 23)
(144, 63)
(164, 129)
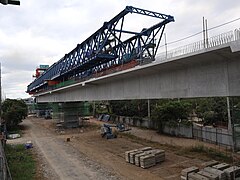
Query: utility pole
(204, 33)
(165, 38)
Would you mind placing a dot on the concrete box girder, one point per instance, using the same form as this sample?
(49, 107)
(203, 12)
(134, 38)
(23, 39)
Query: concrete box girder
(208, 73)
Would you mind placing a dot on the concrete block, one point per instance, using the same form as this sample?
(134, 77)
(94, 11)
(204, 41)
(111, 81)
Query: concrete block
(232, 172)
(210, 176)
(137, 157)
(186, 171)
(132, 156)
(183, 178)
(219, 173)
(145, 149)
(210, 163)
(127, 154)
(196, 176)
(147, 161)
(159, 155)
(221, 166)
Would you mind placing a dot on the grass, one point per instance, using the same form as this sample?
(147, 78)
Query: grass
(146, 142)
(210, 153)
(21, 162)
(199, 151)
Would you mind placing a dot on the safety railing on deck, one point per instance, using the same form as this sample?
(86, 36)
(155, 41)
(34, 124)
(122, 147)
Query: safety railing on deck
(214, 41)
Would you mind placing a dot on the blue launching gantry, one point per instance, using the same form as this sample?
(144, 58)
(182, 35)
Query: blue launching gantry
(106, 48)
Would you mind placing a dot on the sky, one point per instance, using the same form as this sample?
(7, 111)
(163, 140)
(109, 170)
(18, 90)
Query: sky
(42, 31)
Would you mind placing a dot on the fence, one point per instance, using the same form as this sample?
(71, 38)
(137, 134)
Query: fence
(179, 131)
(214, 41)
(217, 136)
(134, 121)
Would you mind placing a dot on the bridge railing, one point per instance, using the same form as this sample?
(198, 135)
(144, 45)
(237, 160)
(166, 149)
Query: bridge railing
(214, 41)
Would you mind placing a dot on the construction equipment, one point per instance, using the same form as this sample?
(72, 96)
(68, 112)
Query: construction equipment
(111, 46)
(48, 114)
(122, 127)
(106, 130)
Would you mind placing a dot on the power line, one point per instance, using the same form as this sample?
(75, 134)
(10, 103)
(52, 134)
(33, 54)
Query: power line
(185, 38)
(173, 42)
(224, 24)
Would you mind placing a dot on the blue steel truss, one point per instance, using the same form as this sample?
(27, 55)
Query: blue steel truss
(106, 48)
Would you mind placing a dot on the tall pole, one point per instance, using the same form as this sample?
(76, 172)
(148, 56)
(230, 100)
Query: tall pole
(203, 32)
(206, 31)
(165, 37)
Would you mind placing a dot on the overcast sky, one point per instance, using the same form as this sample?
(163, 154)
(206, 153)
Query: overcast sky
(43, 31)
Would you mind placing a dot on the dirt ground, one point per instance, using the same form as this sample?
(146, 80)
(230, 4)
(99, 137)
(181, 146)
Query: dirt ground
(89, 156)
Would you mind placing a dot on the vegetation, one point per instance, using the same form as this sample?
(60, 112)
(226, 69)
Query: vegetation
(210, 153)
(172, 112)
(130, 108)
(21, 163)
(14, 111)
(211, 111)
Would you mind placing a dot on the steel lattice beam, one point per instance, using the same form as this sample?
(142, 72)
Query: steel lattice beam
(106, 48)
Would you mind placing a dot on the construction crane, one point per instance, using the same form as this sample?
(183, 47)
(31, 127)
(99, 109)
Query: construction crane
(106, 49)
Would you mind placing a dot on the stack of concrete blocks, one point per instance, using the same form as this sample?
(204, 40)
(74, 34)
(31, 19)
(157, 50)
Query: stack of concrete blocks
(185, 172)
(232, 172)
(212, 171)
(145, 157)
(130, 155)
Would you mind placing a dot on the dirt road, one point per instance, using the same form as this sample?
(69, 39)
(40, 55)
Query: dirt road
(61, 160)
(88, 156)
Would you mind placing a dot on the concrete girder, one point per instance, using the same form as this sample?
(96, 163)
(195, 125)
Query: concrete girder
(207, 73)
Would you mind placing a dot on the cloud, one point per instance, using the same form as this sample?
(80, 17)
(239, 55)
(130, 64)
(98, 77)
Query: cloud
(41, 32)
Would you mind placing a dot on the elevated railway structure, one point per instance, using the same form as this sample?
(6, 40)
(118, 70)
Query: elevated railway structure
(105, 51)
(195, 70)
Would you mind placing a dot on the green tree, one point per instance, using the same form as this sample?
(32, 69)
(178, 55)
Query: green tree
(171, 112)
(13, 111)
(137, 108)
(212, 110)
